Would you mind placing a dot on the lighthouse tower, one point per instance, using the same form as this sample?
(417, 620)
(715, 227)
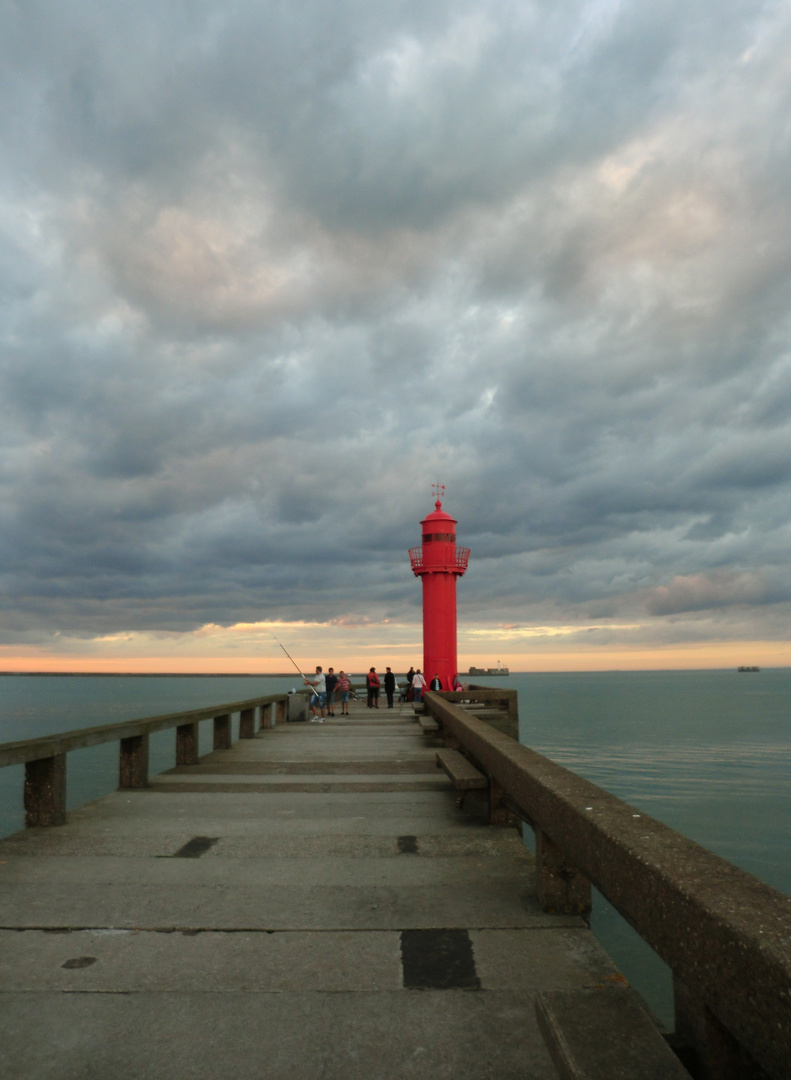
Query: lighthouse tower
(439, 562)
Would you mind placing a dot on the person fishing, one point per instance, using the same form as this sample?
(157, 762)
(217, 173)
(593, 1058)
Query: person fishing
(319, 685)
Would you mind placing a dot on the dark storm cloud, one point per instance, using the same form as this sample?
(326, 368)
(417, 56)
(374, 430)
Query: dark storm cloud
(268, 271)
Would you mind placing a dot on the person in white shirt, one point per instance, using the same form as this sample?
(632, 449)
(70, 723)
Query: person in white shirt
(319, 697)
(418, 686)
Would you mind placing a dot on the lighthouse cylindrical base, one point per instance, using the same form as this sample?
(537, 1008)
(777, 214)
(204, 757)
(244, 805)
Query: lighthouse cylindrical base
(439, 628)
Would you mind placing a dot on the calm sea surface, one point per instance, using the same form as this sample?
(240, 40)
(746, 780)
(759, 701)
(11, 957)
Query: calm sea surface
(706, 752)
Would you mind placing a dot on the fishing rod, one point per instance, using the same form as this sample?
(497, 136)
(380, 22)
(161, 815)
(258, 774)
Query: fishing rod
(293, 661)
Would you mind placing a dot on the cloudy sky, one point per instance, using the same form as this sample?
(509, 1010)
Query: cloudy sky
(270, 269)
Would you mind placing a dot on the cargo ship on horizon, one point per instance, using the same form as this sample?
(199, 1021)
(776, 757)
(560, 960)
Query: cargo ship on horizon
(489, 671)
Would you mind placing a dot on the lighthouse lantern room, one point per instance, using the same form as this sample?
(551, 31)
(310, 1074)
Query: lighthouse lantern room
(439, 562)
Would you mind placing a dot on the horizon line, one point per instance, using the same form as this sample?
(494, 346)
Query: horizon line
(291, 674)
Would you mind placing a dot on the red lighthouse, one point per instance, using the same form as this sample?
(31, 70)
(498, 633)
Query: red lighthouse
(439, 562)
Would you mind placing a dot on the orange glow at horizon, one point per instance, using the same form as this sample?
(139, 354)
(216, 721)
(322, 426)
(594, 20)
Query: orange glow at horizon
(356, 657)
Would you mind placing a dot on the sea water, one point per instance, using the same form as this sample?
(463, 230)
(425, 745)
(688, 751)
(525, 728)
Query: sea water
(706, 752)
(35, 705)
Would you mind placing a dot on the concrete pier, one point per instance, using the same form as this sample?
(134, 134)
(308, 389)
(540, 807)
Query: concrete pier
(309, 903)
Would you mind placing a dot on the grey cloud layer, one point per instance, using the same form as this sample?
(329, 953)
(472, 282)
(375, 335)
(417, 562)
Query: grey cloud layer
(268, 271)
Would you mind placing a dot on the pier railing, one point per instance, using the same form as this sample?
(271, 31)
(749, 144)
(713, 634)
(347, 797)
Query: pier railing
(503, 700)
(44, 758)
(725, 935)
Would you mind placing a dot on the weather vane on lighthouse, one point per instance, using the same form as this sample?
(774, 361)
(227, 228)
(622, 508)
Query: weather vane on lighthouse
(439, 563)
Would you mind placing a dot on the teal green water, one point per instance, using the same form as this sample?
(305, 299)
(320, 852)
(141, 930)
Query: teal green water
(706, 752)
(41, 705)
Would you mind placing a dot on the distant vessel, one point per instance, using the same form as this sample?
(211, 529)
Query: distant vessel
(756, 668)
(489, 671)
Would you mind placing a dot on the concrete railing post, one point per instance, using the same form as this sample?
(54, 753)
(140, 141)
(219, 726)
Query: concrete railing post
(45, 791)
(222, 732)
(561, 886)
(512, 705)
(247, 724)
(498, 813)
(45, 776)
(450, 742)
(718, 1054)
(133, 763)
(187, 752)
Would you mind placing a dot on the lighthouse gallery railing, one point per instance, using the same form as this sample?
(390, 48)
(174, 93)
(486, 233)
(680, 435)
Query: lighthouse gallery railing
(461, 559)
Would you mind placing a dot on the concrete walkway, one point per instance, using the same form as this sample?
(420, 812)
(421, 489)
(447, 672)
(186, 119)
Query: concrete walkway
(311, 903)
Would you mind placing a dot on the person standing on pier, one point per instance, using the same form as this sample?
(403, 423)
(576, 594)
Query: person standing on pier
(372, 682)
(332, 682)
(436, 682)
(418, 685)
(344, 686)
(390, 685)
(319, 697)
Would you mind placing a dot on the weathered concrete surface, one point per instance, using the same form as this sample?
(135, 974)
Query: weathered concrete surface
(414, 1035)
(277, 951)
(331, 962)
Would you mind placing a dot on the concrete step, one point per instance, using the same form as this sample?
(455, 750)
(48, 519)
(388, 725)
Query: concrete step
(604, 1033)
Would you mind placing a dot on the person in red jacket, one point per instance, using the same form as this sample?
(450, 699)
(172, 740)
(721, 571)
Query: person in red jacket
(372, 682)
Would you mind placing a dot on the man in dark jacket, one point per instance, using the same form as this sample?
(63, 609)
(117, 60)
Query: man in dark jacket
(409, 692)
(390, 685)
(332, 682)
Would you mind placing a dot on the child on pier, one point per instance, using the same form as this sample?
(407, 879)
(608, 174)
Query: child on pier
(343, 688)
